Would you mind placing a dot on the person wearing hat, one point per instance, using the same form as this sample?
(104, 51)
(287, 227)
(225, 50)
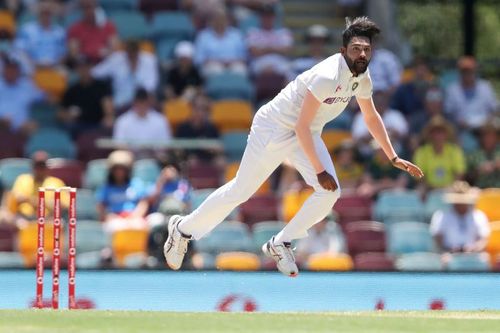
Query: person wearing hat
(484, 162)
(460, 227)
(183, 79)
(269, 46)
(87, 104)
(470, 101)
(316, 38)
(122, 200)
(440, 159)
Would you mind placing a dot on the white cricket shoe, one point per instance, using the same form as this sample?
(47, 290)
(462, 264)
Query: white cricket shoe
(282, 253)
(176, 245)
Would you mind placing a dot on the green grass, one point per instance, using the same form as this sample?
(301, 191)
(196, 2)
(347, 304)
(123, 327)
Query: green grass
(47, 321)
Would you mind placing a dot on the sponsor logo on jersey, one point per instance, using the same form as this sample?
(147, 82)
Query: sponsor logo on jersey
(334, 100)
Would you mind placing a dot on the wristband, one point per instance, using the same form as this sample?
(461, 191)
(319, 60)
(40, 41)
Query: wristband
(394, 159)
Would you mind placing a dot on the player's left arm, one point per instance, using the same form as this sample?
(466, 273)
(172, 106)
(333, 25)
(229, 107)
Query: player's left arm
(378, 131)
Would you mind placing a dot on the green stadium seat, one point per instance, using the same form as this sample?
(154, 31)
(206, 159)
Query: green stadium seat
(165, 49)
(399, 205)
(203, 261)
(229, 86)
(55, 142)
(227, 237)
(434, 202)
(11, 260)
(96, 174)
(90, 236)
(469, 262)
(263, 231)
(146, 170)
(86, 205)
(419, 261)
(89, 260)
(173, 25)
(408, 237)
(130, 25)
(234, 144)
(44, 114)
(198, 196)
(118, 5)
(10, 168)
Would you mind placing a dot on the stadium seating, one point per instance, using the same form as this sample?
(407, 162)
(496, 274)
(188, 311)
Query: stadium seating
(333, 138)
(488, 202)
(51, 81)
(11, 260)
(89, 260)
(173, 25)
(365, 236)
(87, 145)
(373, 261)
(268, 85)
(126, 242)
(165, 49)
(90, 236)
(351, 207)
(232, 115)
(96, 174)
(86, 205)
(259, 208)
(419, 261)
(292, 201)
(434, 202)
(27, 241)
(177, 111)
(69, 171)
(398, 205)
(264, 231)
(8, 235)
(130, 24)
(237, 261)
(204, 176)
(152, 6)
(146, 170)
(226, 237)
(198, 196)
(114, 5)
(470, 262)
(7, 23)
(493, 246)
(203, 260)
(407, 237)
(55, 142)
(234, 144)
(329, 262)
(11, 144)
(229, 86)
(44, 114)
(11, 168)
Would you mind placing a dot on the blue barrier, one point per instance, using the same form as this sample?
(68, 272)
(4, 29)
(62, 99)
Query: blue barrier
(262, 291)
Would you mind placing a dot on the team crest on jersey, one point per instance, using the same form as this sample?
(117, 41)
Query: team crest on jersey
(355, 85)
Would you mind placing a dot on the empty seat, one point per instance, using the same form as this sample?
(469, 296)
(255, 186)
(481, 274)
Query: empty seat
(126, 242)
(11, 260)
(488, 202)
(177, 111)
(175, 25)
(259, 208)
(268, 85)
(434, 202)
(333, 138)
(89, 260)
(44, 114)
(204, 176)
(227, 237)
(329, 262)
(293, 200)
(232, 115)
(234, 144)
(407, 237)
(90, 236)
(130, 25)
(51, 81)
(165, 49)
(11, 144)
(198, 196)
(264, 231)
(55, 142)
(365, 236)
(351, 207)
(493, 246)
(87, 145)
(69, 171)
(399, 205)
(8, 235)
(146, 170)
(203, 260)
(229, 86)
(86, 205)
(11, 168)
(469, 262)
(96, 174)
(419, 261)
(237, 261)
(373, 261)
(152, 6)
(113, 5)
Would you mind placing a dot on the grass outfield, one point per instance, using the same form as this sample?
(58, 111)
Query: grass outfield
(47, 321)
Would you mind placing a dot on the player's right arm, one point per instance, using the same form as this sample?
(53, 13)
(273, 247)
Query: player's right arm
(308, 111)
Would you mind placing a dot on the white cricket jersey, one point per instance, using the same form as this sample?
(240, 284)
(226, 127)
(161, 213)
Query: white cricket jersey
(330, 81)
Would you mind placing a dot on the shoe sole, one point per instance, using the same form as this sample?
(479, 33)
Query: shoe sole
(268, 254)
(170, 229)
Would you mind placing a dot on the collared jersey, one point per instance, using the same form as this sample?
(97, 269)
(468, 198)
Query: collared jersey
(330, 81)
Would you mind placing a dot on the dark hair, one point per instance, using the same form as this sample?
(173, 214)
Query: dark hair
(359, 27)
(141, 94)
(111, 177)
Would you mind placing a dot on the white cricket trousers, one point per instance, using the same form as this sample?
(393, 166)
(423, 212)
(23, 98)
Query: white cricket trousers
(268, 146)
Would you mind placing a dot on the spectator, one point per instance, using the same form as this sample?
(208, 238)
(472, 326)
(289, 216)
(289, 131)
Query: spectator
(23, 198)
(442, 161)
(317, 38)
(269, 46)
(88, 103)
(484, 163)
(17, 93)
(43, 41)
(432, 106)
(320, 239)
(385, 70)
(128, 70)
(199, 125)
(471, 101)
(394, 121)
(220, 47)
(349, 171)
(122, 201)
(461, 227)
(184, 79)
(380, 174)
(93, 36)
(142, 123)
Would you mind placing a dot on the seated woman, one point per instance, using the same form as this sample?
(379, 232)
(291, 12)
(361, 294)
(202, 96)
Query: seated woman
(122, 201)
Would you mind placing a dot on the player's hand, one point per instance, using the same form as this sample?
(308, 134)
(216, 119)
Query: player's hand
(409, 167)
(327, 181)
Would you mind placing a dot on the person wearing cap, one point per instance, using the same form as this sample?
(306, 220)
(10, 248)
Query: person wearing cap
(122, 200)
(470, 101)
(316, 38)
(269, 46)
(484, 162)
(460, 227)
(183, 79)
(87, 104)
(23, 198)
(17, 93)
(142, 123)
(442, 160)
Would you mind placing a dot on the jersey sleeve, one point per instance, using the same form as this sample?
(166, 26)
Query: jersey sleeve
(365, 90)
(320, 86)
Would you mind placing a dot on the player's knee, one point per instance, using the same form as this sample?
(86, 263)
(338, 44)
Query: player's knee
(239, 194)
(329, 197)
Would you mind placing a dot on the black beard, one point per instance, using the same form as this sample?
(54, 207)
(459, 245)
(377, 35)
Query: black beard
(355, 66)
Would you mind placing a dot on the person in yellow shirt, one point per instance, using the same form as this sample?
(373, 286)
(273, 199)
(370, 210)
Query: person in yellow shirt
(23, 198)
(441, 160)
